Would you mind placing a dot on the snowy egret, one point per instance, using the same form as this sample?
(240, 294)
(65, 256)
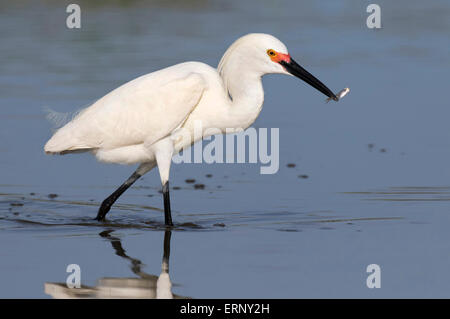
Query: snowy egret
(140, 121)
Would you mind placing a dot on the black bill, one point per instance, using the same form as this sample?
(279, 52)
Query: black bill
(295, 69)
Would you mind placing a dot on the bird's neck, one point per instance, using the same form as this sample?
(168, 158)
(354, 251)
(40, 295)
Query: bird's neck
(247, 97)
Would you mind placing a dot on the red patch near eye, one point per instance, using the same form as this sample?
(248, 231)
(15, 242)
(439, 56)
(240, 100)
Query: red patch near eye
(281, 57)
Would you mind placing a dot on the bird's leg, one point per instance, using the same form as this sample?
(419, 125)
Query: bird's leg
(167, 212)
(163, 153)
(110, 200)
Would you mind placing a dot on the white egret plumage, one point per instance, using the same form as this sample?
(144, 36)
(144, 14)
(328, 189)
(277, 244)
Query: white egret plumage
(139, 121)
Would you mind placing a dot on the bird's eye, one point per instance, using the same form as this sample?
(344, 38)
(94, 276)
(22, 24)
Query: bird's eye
(271, 53)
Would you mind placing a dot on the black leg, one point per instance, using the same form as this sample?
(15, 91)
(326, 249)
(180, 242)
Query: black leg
(167, 213)
(108, 202)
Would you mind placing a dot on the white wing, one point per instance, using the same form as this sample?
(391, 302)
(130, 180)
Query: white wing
(143, 110)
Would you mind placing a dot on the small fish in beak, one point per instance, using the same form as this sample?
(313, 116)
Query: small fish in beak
(340, 95)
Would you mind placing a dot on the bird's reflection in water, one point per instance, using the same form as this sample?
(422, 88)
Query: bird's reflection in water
(145, 286)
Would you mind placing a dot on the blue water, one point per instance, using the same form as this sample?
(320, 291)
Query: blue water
(378, 186)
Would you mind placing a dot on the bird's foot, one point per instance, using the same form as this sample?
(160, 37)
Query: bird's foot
(103, 210)
(169, 226)
(99, 218)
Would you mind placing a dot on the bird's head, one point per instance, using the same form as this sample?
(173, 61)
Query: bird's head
(264, 54)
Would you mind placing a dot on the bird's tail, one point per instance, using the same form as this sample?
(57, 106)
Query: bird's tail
(63, 140)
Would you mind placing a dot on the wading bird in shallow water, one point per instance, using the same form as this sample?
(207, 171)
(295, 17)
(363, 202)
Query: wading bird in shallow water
(145, 120)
